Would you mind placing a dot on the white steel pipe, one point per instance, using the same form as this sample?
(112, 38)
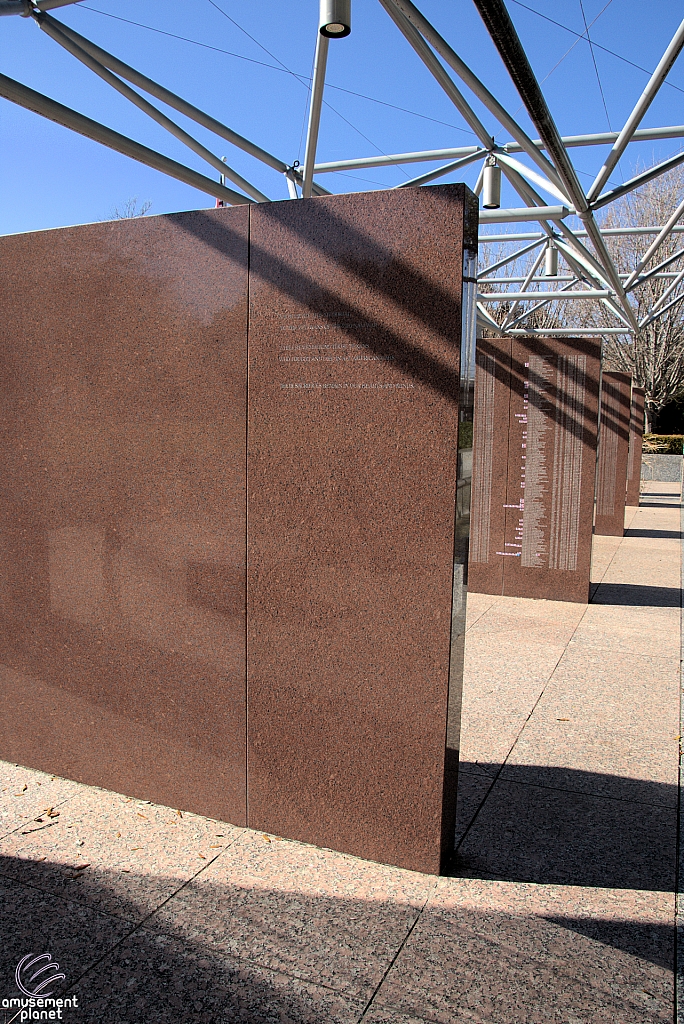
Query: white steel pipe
(597, 139)
(50, 26)
(414, 16)
(524, 213)
(20, 94)
(590, 293)
(415, 39)
(594, 332)
(317, 86)
(642, 105)
(510, 316)
(170, 98)
(655, 245)
(439, 172)
(524, 236)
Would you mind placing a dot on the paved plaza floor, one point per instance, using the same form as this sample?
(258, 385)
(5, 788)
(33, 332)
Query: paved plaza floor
(561, 907)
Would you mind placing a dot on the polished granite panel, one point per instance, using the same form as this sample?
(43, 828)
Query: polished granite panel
(490, 465)
(122, 520)
(534, 465)
(613, 454)
(636, 433)
(355, 328)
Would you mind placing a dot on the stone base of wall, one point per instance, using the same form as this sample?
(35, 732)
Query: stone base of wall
(667, 468)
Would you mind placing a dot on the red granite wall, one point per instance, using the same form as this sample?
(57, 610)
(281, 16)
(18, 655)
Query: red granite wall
(126, 458)
(636, 433)
(534, 460)
(613, 454)
(122, 517)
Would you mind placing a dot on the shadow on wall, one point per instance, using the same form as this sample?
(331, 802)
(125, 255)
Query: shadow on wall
(221, 952)
(374, 267)
(560, 826)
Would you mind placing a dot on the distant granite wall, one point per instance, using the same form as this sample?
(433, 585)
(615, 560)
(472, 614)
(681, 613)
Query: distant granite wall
(534, 458)
(613, 454)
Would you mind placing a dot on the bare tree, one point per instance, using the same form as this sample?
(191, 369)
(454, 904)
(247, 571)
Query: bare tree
(655, 358)
(129, 210)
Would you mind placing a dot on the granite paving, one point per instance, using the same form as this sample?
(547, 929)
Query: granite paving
(560, 905)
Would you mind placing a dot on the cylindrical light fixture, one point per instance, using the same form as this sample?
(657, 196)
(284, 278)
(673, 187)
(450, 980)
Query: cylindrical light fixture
(551, 261)
(491, 185)
(335, 19)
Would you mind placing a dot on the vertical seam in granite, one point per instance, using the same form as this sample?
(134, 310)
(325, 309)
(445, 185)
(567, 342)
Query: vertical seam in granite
(249, 252)
(464, 596)
(508, 458)
(679, 865)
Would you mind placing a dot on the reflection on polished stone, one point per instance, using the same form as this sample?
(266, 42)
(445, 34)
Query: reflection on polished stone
(128, 659)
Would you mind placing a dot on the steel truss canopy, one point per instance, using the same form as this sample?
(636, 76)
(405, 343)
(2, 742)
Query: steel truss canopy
(539, 169)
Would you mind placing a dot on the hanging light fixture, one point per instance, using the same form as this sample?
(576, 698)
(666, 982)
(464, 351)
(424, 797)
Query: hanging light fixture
(551, 261)
(335, 19)
(491, 184)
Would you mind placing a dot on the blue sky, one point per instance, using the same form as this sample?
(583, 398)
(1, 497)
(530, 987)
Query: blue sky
(242, 75)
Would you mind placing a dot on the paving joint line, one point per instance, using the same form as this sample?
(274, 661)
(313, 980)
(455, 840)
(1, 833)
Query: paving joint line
(62, 803)
(517, 737)
(398, 952)
(564, 789)
(140, 924)
(136, 925)
(582, 792)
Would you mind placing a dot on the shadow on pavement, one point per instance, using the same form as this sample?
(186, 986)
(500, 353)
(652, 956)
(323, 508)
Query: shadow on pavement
(558, 826)
(655, 534)
(636, 594)
(264, 955)
(126, 971)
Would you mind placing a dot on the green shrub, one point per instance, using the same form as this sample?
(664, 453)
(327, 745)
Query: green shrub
(663, 444)
(465, 435)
